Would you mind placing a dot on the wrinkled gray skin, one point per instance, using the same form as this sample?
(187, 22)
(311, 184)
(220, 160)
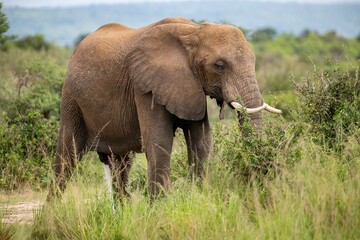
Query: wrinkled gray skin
(127, 90)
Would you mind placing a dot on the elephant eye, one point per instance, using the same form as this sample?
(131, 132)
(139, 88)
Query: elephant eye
(219, 66)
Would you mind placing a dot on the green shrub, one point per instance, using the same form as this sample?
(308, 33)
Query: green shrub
(257, 156)
(29, 127)
(27, 145)
(36, 42)
(263, 34)
(39, 84)
(331, 104)
(4, 26)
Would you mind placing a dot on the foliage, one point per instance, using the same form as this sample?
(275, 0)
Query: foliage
(4, 26)
(36, 42)
(250, 155)
(331, 103)
(39, 86)
(27, 144)
(289, 55)
(29, 126)
(263, 34)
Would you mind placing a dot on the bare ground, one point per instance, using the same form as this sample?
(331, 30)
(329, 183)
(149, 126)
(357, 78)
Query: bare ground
(20, 212)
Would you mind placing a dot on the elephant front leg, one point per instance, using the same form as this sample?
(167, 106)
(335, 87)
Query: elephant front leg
(157, 129)
(158, 141)
(158, 158)
(198, 140)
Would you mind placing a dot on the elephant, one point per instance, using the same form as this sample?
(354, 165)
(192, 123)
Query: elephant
(127, 90)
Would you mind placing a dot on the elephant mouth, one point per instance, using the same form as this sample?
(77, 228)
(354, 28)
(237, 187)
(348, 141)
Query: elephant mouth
(221, 103)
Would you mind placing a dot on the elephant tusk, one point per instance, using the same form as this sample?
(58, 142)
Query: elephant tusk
(273, 110)
(238, 107)
(265, 106)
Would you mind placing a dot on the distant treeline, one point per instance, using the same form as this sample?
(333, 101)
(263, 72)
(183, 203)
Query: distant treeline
(266, 34)
(64, 25)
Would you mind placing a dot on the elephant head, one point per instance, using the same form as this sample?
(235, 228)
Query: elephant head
(181, 62)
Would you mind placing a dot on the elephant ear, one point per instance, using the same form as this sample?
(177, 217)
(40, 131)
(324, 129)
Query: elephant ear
(159, 63)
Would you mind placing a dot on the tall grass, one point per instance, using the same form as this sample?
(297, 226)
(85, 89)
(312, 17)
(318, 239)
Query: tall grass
(314, 195)
(282, 184)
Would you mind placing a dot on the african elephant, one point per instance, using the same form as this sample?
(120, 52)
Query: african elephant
(127, 90)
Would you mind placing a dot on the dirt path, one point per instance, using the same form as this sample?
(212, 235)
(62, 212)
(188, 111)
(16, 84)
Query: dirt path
(20, 212)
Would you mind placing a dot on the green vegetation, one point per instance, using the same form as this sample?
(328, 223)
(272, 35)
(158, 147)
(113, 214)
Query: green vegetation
(29, 106)
(262, 35)
(290, 55)
(298, 180)
(331, 104)
(36, 42)
(4, 26)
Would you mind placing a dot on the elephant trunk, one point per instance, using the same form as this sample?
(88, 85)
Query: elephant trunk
(246, 89)
(251, 98)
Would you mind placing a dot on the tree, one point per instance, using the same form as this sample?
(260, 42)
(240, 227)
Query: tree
(263, 34)
(36, 42)
(305, 33)
(4, 26)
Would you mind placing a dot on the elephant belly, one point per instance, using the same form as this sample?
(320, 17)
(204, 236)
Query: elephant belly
(119, 146)
(111, 131)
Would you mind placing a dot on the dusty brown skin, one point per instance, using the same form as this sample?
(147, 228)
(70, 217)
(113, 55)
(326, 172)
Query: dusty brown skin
(127, 90)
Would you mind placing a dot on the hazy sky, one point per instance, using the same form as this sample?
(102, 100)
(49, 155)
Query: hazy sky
(42, 3)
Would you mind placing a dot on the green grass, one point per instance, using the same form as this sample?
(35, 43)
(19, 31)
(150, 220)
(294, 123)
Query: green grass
(317, 197)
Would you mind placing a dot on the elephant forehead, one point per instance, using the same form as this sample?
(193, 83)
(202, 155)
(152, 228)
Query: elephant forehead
(224, 34)
(226, 40)
(228, 50)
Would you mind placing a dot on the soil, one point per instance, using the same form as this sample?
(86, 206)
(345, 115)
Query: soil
(19, 212)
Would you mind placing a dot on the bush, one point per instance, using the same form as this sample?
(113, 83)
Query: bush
(27, 145)
(255, 156)
(264, 34)
(36, 42)
(4, 26)
(331, 104)
(39, 86)
(28, 133)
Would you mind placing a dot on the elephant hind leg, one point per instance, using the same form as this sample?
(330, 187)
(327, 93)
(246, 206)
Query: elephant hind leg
(70, 147)
(120, 166)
